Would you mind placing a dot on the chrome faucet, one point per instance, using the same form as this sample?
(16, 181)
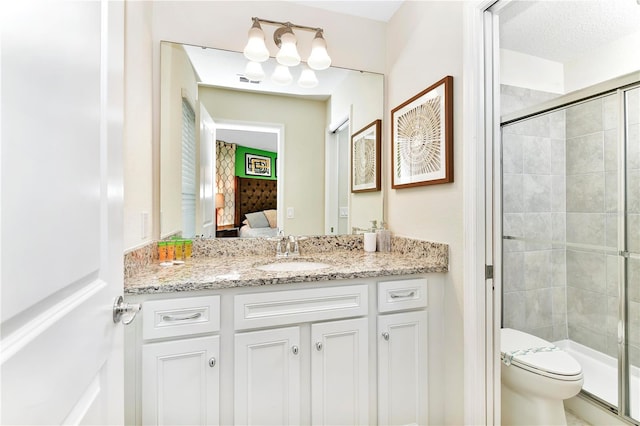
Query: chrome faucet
(287, 246)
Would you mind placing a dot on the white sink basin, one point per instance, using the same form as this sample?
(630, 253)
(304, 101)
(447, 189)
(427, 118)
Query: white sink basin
(292, 266)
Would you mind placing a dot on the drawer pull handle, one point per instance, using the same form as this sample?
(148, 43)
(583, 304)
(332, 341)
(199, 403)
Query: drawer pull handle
(294, 349)
(385, 335)
(181, 317)
(319, 346)
(411, 293)
(212, 362)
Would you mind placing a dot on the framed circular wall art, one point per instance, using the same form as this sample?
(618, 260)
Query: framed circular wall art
(422, 137)
(365, 158)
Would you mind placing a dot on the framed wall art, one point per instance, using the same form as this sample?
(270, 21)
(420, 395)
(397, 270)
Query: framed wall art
(422, 138)
(257, 165)
(365, 158)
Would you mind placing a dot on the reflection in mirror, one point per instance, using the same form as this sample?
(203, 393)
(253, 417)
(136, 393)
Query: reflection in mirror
(240, 158)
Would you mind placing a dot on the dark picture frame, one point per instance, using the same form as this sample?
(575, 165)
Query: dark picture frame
(257, 165)
(422, 137)
(365, 158)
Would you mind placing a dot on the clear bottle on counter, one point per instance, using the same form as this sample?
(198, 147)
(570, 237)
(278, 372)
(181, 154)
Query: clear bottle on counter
(383, 238)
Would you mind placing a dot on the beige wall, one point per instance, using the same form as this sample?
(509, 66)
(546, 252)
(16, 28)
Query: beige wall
(219, 24)
(360, 97)
(420, 45)
(138, 140)
(179, 83)
(304, 131)
(424, 44)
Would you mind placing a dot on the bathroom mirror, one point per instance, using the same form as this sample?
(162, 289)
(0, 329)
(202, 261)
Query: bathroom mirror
(215, 124)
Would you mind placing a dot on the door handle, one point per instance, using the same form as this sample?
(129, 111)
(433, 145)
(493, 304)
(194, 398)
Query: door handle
(125, 312)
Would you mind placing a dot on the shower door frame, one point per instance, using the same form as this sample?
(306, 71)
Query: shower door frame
(618, 86)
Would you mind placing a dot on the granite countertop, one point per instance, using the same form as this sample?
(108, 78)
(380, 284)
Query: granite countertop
(209, 270)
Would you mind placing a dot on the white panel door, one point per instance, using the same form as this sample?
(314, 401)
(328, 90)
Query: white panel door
(340, 373)
(402, 369)
(267, 377)
(61, 207)
(181, 382)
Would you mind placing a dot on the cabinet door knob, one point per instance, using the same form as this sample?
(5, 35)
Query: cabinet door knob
(319, 346)
(212, 362)
(294, 349)
(385, 335)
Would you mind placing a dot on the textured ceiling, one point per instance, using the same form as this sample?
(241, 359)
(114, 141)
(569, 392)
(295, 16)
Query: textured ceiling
(564, 30)
(380, 10)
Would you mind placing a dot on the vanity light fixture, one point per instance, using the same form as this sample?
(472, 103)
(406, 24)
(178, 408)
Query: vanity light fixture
(307, 79)
(256, 51)
(282, 75)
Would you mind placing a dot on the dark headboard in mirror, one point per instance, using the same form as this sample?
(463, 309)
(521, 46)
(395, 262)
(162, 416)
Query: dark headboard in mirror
(254, 195)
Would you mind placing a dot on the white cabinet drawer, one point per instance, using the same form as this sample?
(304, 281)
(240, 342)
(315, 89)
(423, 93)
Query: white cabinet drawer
(296, 306)
(180, 317)
(402, 294)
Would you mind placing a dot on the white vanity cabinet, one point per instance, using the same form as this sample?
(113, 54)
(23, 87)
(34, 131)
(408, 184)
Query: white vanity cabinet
(347, 352)
(333, 355)
(340, 372)
(402, 352)
(180, 381)
(267, 377)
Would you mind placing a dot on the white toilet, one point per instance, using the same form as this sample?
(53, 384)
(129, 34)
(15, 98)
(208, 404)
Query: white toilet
(536, 378)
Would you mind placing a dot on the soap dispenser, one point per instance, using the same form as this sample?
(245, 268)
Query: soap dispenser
(383, 238)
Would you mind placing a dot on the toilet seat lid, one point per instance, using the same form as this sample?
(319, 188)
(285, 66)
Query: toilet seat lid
(537, 355)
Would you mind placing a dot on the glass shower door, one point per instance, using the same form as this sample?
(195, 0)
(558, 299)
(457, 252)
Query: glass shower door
(631, 253)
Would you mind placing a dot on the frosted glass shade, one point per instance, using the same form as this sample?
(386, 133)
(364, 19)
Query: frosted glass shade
(219, 200)
(307, 79)
(256, 50)
(282, 75)
(253, 71)
(288, 54)
(319, 58)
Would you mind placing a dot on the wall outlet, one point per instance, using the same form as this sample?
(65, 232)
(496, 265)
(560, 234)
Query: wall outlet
(290, 213)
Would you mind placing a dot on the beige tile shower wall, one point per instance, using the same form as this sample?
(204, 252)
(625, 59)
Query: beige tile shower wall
(534, 265)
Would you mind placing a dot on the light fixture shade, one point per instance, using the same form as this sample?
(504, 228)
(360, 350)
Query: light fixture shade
(319, 58)
(288, 54)
(282, 76)
(256, 50)
(219, 200)
(307, 79)
(253, 71)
